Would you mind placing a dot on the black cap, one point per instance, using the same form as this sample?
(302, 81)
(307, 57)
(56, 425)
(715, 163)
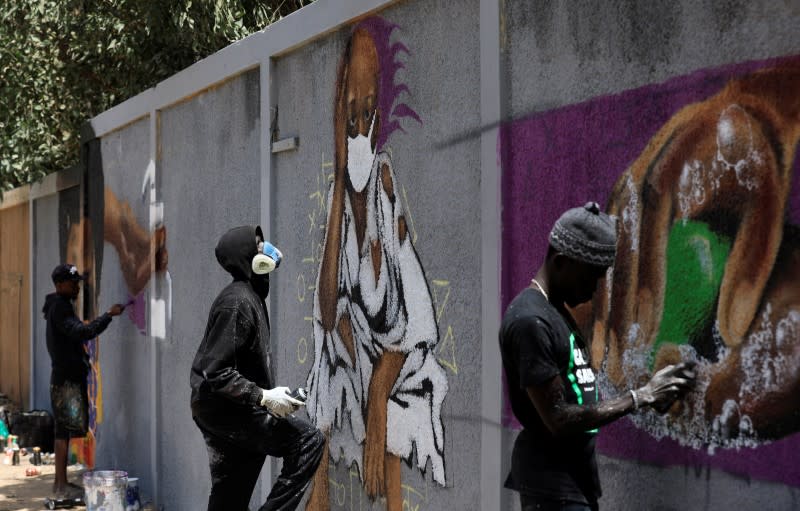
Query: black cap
(586, 234)
(65, 272)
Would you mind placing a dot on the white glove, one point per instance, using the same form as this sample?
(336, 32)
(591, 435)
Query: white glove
(279, 402)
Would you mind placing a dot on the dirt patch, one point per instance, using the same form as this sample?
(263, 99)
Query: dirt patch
(19, 492)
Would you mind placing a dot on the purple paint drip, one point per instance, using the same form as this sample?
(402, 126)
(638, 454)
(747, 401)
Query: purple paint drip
(556, 160)
(137, 312)
(380, 30)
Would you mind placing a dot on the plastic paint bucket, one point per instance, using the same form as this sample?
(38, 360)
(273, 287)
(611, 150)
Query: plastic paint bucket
(105, 490)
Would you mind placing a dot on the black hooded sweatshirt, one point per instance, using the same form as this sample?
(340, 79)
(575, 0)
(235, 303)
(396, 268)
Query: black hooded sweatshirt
(232, 364)
(66, 335)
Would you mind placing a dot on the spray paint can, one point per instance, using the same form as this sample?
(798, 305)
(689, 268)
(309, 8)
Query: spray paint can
(15, 457)
(37, 456)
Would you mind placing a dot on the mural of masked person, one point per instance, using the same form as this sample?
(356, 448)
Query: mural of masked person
(374, 324)
(707, 263)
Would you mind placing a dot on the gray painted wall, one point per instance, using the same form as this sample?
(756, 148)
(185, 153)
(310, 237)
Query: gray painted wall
(208, 166)
(46, 255)
(122, 439)
(209, 183)
(557, 55)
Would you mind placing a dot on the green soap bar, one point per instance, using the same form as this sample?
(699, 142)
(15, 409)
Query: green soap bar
(696, 259)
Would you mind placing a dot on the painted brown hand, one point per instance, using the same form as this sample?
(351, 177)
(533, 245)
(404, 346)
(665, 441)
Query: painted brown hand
(131, 241)
(715, 162)
(139, 279)
(708, 194)
(383, 378)
(757, 388)
(135, 246)
(374, 451)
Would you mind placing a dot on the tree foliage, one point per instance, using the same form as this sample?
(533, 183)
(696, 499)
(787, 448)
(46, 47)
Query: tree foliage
(64, 61)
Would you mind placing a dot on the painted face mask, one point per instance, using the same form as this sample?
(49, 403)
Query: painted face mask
(360, 157)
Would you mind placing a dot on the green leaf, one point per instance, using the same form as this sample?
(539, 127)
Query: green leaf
(64, 61)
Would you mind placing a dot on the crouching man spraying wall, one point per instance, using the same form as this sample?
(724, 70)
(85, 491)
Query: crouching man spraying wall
(243, 416)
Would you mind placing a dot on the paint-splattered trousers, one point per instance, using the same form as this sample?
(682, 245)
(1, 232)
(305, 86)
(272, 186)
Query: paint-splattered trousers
(70, 403)
(238, 445)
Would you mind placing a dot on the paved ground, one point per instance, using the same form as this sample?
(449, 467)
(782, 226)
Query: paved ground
(21, 493)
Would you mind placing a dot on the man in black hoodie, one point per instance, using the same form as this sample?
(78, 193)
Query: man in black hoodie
(243, 416)
(66, 338)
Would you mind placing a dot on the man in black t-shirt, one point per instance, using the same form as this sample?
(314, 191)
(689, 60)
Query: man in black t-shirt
(552, 387)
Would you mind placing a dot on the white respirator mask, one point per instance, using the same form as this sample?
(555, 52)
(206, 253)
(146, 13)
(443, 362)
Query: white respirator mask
(267, 259)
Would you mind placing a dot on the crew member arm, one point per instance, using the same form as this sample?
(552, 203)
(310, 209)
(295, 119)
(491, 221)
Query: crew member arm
(541, 359)
(218, 365)
(73, 328)
(563, 418)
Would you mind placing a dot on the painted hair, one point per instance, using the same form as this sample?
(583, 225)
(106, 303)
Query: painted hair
(390, 109)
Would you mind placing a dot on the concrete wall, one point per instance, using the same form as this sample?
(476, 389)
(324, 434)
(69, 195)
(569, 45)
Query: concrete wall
(124, 350)
(586, 96)
(528, 107)
(46, 256)
(209, 182)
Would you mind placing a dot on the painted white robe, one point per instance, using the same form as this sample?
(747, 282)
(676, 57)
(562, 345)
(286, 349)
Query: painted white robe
(395, 313)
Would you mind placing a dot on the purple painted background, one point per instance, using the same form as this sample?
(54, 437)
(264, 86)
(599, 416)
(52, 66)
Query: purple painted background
(562, 158)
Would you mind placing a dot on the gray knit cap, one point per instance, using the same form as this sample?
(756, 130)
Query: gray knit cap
(586, 234)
